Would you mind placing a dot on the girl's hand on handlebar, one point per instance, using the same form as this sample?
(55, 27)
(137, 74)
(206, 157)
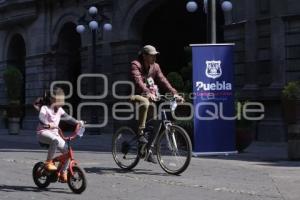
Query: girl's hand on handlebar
(179, 98)
(81, 123)
(50, 126)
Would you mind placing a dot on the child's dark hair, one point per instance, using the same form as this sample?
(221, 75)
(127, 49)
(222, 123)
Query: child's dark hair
(48, 95)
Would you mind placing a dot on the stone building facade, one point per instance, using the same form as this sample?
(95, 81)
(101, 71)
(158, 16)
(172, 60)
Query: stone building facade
(267, 56)
(39, 37)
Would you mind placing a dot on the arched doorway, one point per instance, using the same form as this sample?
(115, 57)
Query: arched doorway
(68, 60)
(16, 55)
(171, 28)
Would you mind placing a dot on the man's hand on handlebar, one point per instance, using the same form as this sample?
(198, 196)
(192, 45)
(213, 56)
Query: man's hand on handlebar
(152, 97)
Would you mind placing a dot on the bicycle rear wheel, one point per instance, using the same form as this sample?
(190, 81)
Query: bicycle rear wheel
(125, 148)
(40, 177)
(174, 150)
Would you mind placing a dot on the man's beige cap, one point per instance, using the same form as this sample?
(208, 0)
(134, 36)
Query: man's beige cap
(149, 49)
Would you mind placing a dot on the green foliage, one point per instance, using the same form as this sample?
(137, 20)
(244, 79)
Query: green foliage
(13, 79)
(176, 80)
(188, 87)
(292, 90)
(187, 72)
(187, 124)
(188, 54)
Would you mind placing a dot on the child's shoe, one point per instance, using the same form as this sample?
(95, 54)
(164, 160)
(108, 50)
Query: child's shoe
(63, 177)
(49, 165)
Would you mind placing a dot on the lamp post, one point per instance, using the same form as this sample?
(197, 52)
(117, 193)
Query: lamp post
(95, 20)
(94, 24)
(210, 9)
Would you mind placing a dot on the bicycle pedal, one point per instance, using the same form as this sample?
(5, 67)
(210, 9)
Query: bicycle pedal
(142, 150)
(150, 157)
(60, 180)
(142, 154)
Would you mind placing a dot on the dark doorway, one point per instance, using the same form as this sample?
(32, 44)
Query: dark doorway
(16, 57)
(68, 60)
(171, 28)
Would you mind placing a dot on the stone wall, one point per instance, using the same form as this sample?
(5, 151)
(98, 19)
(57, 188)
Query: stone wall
(266, 34)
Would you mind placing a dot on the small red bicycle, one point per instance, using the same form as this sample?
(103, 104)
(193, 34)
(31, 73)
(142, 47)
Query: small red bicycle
(76, 177)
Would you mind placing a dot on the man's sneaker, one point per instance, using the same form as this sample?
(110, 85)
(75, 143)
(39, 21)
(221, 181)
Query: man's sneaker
(150, 158)
(142, 139)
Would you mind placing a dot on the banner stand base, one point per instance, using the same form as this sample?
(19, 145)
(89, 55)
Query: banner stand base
(199, 154)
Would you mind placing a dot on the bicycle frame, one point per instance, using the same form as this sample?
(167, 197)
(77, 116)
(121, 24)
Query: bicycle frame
(164, 122)
(158, 124)
(171, 142)
(62, 159)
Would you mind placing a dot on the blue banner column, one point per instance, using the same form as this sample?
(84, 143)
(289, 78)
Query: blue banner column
(213, 86)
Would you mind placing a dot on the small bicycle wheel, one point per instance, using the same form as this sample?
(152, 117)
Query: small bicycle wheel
(125, 148)
(174, 150)
(40, 177)
(77, 182)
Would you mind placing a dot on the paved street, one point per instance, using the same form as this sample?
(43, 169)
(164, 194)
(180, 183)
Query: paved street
(262, 172)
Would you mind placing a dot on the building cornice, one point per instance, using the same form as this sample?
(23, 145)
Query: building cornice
(235, 24)
(291, 17)
(17, 11)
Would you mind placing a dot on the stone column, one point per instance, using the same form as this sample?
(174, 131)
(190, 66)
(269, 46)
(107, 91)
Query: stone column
(123, 53)
(271, 95)
(277, 44)
(251, 47)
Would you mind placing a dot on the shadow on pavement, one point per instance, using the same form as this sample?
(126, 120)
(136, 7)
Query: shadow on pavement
(106, 170)
(275, 162)
(260, 153)
(12, 188)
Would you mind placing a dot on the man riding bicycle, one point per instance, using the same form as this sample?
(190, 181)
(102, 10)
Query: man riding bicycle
(148, 79)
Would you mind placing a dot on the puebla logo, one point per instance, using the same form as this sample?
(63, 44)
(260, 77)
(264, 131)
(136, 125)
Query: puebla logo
(218, 86)
(213, 69)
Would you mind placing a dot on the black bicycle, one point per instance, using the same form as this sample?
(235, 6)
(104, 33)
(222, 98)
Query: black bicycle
(171, 142)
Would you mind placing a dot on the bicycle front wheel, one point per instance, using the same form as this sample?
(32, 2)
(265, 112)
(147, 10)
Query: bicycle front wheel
(174, 150)
(125, 148)
(77, 182)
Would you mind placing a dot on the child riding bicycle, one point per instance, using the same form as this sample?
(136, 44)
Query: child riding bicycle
(50, 114)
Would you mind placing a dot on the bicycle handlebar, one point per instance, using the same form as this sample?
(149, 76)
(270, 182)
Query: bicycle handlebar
(73, 136)
(167, 98)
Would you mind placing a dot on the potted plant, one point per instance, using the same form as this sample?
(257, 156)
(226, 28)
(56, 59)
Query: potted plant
(291, 105)
(13, 85)
(290, 101)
